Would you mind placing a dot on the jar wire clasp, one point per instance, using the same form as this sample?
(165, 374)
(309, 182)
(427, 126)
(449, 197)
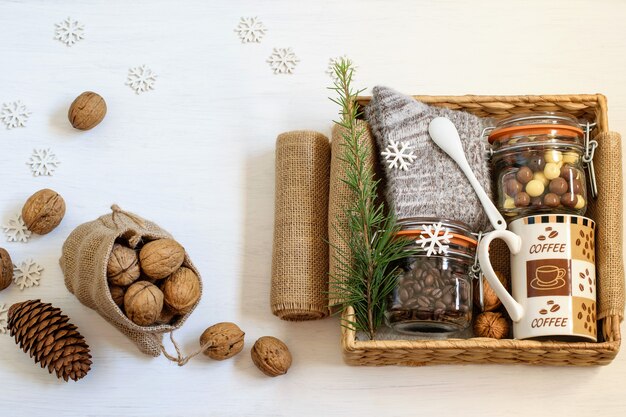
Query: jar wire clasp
(590, 149)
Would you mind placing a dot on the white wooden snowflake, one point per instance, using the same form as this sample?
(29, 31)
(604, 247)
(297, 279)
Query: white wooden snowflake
(283, 61)
(14, 114)
(43, 162)
(16, 229)
(141, 79)
(69, 31)
(250, 29)
(27, 274)
(397, 155)
(334, 61)
(436, 237)
(4, 318)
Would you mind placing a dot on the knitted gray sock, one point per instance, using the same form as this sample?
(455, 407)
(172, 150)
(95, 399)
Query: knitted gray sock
(430, 184)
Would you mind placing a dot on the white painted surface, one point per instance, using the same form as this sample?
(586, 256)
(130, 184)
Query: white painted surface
(196, 155)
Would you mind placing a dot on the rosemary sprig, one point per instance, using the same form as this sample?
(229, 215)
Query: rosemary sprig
(367, 270)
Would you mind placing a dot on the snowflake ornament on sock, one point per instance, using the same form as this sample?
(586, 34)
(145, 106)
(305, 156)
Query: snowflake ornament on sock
(250, 29)
(16, 229)
(69, 31)
(436, 237)
(283, 61)
(141, 79)
(4, 314)
(398, 155)
(334, 61)
(14, 114)
(27, 274)
(43, 162)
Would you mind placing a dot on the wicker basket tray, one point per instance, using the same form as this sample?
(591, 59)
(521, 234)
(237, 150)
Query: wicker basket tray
(483, 350)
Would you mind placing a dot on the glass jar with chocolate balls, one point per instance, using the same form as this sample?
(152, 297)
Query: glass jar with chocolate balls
(537, 160)
(433, 294)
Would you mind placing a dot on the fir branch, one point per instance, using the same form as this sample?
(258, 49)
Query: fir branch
(367, 270)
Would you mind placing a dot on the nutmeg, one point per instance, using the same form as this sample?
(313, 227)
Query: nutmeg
(491, 301)
(491, 324)
(87, 111)
(43, 211)
(123, 266)
(117, 294)
(225, 340)
(143, 303)
(161, 257)
(181, 290)
(271, 356)
(6, 269)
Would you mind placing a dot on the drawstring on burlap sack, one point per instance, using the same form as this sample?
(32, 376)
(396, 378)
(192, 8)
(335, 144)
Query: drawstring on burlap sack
(179, 358)
(117, 210)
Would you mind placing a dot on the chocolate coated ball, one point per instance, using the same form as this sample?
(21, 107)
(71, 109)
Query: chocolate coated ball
(522, 199)
(568, 172)
(569, 200)
(524, 175)
(551, 200)
(536, 163)
(551, 170)
(535, 188)
(512, 187)
(558, 186)
(577, 186)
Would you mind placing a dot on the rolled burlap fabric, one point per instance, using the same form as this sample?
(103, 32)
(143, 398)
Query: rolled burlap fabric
(606, 210)
(300, 257)
(84, 262)
(341, 198)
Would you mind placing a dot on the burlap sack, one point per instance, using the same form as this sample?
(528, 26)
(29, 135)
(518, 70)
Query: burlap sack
(300, 260)
(84, 262)
(606, 210)
(341, 198)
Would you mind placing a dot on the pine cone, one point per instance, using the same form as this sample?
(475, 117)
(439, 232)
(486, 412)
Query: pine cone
(45, 333)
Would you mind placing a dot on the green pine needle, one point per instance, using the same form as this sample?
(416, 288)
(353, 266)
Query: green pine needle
(367, 272)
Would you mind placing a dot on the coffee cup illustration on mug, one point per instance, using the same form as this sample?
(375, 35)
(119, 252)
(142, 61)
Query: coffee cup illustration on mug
(553, 276)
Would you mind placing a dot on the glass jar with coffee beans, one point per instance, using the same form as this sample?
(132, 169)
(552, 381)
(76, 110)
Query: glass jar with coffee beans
(433, 294)
(537, 160)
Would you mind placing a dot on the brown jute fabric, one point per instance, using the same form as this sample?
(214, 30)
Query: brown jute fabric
(84, 262)
(606, 210)
(341, 198)
(299, 288)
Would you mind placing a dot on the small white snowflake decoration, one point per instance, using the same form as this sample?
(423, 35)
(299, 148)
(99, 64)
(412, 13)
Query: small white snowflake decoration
(141, 79)
(397, 155)
(334, 61)
(69, 31)
(14, 114)
(27, 274)
(43, 162)
(283, 61)
(4, 318)
(250, 29)
(16, 229)
(436, 237)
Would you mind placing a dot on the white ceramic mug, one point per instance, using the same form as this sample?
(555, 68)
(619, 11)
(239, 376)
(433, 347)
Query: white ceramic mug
(553, 276)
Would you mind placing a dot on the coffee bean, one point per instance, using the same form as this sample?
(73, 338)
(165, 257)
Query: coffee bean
(440, 304)
(550, 302)
(543, 311)
(429, 280)
(541, 238)
(555, 308)
(437, 293)
(423, 301)
(553, 234)
(581, 287)
(580, 315)
(404, 295)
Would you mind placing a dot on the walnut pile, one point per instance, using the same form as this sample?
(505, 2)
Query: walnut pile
(152, 284)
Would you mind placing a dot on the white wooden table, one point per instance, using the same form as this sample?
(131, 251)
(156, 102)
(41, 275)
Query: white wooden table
(196, 155)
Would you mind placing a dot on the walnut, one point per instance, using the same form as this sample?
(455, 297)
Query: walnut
(87, 111)
(160, 258)
(123, 267)
(491, 301)
(182, 290)
(166, 316)
(492, 325)
(43, 211)
(6, 269)
(225, 340)
(117, 294)
(271, 356)
(143, 303)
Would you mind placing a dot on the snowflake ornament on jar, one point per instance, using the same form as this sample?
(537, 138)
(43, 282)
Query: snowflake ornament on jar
(14, 114)
(250, 29)
(283, 61)
(43, 162)
(397, 155)
(69, 31)
(436, 237)
(334, 61)
(141, 79)
(4, 315)
(27, 274)
(16, 229)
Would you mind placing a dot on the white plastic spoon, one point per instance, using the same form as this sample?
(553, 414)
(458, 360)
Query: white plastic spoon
(444, 134)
